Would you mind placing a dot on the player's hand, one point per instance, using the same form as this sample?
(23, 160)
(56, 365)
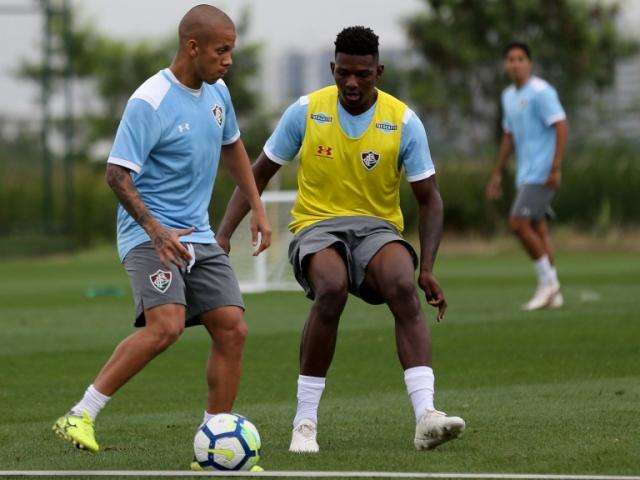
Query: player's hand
(166, 241)
(554, 179)
(432, 291)
(260, 232)
(494, 187)
(224, 242)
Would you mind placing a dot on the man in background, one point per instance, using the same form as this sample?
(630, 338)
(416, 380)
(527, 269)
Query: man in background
(535, 125)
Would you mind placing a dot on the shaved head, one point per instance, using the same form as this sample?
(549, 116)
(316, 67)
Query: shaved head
(201, 23)
(207, 37)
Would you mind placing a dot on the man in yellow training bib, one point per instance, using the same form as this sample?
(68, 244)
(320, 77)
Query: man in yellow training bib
(354, 142)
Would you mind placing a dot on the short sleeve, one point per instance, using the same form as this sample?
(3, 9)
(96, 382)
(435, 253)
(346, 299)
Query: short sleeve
(549, 106)
(137, 134)
(415, 155)
(230, 130)
(506, 126)
(286, 140)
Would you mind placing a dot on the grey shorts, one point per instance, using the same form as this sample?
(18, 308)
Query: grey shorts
(357, 239)
(207, 284)
(534, 202)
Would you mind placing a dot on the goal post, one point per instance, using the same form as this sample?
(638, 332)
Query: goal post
(269, 271)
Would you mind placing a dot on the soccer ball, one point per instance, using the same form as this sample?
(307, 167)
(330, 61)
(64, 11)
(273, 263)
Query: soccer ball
(227, 442)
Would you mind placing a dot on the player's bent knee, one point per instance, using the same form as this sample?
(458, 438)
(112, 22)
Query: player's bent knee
(231, 335)
(166, 333)
(239, 333)
(165, 322)
(517, 224)
(402, 292)
(332, 295)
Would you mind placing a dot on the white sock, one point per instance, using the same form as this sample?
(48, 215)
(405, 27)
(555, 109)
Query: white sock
(543, 270)
(554, 275)
(206, 417)
(93, 401)
(309, 393)
(419, 381)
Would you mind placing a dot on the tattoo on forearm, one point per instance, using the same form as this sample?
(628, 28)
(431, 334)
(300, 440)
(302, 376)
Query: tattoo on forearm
(121, 183)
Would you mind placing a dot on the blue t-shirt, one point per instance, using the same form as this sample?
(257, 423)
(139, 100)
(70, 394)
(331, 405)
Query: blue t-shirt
(415, 157)
(529, 114)
(170, 137)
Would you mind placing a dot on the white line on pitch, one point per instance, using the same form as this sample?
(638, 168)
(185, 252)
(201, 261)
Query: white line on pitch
(181, 473)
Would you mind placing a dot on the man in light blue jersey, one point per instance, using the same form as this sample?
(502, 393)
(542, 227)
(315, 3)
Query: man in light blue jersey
(534, 122)
(175, 129)
(355, 144)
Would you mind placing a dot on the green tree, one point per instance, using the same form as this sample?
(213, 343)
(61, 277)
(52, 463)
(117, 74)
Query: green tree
(575, 45)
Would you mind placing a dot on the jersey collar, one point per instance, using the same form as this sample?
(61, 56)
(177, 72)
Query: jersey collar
(193, 91)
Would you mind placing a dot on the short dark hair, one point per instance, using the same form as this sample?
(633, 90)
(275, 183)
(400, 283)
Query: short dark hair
(521, 45)
(357, 40)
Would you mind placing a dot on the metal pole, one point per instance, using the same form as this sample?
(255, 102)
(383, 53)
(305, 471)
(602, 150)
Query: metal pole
(47, 185)
(69, 156)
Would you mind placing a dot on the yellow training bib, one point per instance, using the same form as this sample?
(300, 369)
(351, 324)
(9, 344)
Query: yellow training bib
(341, 176)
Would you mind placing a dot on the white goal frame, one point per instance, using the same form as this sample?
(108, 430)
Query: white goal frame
(261, 279)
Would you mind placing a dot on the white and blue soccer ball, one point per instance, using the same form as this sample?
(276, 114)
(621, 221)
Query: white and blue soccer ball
(227, 442)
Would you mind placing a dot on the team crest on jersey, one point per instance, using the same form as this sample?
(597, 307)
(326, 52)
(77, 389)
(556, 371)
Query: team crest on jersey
(386, 127)
(370, 159)
(321, 118)
(161, 280)
(218, 114)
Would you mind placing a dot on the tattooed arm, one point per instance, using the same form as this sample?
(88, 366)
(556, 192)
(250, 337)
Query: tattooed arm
(166, 241)
(430, 227)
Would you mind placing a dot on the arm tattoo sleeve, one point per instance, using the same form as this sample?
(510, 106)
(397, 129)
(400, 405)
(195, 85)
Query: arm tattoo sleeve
(122, 185)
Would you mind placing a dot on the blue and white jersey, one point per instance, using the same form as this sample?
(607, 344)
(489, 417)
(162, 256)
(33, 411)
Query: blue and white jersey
(529, 114)
(170, 137)
(415, 157)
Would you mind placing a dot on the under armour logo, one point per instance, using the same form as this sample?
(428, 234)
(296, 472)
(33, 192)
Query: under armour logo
(183, 127)
(324, 151)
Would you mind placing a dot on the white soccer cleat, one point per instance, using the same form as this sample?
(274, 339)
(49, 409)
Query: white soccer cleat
(542, 297)
(557, 301)
(434, 428)
(303, 438)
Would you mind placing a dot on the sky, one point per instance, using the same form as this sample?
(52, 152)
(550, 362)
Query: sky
(283, 25)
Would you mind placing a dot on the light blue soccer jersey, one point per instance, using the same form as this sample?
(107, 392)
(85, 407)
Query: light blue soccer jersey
(415, 157)
(170, 137)
(529, 114)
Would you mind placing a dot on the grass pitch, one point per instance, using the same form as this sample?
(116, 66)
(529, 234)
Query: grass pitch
(553, 391)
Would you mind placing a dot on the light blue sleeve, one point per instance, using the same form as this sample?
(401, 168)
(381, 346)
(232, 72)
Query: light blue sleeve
(285, 141)
(415, 155)
(137, 134)
(506, 126)
(230, 131)
(549, 106)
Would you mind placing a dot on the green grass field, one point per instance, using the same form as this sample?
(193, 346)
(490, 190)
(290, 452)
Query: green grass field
(552, 392)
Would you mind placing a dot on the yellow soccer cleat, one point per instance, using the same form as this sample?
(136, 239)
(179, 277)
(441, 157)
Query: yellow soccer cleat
(78, 430)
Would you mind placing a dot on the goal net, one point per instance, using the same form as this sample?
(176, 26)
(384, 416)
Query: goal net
(270, 270)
